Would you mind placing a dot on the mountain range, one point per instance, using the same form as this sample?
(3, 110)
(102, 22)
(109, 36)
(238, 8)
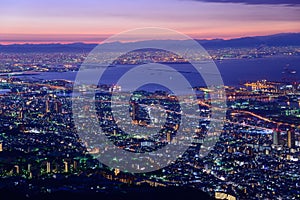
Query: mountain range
(283, 39)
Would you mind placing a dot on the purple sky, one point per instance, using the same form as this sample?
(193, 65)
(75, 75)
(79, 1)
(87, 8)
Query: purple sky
(93, 20)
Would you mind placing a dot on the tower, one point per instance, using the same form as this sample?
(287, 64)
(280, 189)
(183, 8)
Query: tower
(1, 146)
(291, 139)
(276, 137)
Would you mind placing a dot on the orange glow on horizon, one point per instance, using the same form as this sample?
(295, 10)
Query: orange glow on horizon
(214, 32)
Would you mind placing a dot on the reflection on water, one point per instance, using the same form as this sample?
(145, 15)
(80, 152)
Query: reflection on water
(234, 71)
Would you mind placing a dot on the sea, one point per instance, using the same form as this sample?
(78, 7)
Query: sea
(234, 72)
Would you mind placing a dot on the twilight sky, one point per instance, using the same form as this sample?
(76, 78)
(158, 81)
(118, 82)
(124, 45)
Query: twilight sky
(36, 21)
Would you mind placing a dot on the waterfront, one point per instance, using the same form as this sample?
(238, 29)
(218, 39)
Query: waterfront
(233, 71)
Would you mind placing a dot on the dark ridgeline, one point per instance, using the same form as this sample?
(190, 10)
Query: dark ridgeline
(284, 39)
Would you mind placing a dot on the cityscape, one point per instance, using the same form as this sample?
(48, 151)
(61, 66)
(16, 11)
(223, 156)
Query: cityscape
(236, 140)
(258, 150)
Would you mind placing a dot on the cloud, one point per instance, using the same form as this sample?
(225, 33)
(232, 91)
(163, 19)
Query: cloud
(257, 2)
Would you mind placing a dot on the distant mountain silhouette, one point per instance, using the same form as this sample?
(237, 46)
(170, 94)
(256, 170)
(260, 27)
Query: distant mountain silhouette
(47, 48)
(284, 39)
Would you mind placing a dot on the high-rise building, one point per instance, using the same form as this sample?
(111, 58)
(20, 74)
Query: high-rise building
(48, 167)
(58, 107)
(66, 166)
(135, 111)
(176, 127)
(169, 137)
(75, 164)
(291, 139)
(276, 134)
(47, 106)
(21, 114)
(17, 169)
(29, 168)
(1, 146)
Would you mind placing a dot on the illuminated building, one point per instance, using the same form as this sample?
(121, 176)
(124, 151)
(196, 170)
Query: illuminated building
(21, 114)
(291, 139)
(66, 166)
(276, 137)
(176, 127)
(134, 111)
(58, 106)
(1, 147)
(17, 168)
(75, 165)
(116, 171)
(48, 167)
(47, 106)
(221, 195)
(169, 138)
(29, 170)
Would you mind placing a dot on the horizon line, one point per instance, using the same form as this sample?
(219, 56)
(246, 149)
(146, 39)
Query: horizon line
(100, 40)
